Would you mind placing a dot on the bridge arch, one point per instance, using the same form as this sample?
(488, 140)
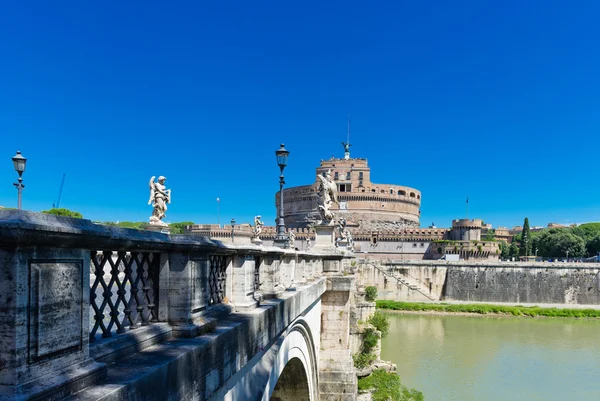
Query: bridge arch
(294, 375)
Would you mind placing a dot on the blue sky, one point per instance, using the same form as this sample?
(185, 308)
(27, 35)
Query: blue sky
(497, 101)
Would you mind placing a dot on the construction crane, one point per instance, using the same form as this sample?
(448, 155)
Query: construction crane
(62, 184)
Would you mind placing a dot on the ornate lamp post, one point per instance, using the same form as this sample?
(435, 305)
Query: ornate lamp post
(281, 239)
(232, 228)
(19, 162)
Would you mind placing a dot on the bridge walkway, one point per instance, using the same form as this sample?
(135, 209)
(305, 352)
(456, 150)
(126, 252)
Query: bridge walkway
(200, 368)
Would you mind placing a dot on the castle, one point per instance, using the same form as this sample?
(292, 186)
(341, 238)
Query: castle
(383, 219)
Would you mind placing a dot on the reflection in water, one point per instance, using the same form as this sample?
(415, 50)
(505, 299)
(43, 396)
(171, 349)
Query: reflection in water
(467, 358)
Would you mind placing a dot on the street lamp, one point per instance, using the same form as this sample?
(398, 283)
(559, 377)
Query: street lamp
(281, 239)
(19, 163)
(232, 227)
(567, 256)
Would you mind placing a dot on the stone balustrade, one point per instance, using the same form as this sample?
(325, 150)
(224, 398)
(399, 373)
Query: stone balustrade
(75, 295)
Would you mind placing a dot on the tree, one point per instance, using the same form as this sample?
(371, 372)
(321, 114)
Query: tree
(176, 228)
(593, 245)
(490, 235)
(556, 242)
(137, 225)
(179, 228)
(526, 239)
(63, 212)
(504, 250)
(513, 252)
(587, 231)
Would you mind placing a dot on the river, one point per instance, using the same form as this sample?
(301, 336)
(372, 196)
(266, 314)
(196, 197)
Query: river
(472, 358)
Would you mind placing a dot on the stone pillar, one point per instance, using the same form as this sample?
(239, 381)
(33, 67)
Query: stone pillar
(301, 272)
(270, 275)
(318, 265)
(243, 282)
(337, 379)
(186, 290)
(45, 323)
(287, 268)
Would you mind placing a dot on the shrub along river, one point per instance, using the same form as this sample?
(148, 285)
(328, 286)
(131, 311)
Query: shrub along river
(483, 358)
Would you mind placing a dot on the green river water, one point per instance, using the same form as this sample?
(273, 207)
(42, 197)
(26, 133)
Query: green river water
(465, 358)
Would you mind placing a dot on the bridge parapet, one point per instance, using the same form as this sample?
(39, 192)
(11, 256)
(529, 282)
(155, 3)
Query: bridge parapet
(76, 295)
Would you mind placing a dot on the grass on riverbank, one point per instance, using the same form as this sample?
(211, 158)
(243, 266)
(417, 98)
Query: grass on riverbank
(485, 309)
(387, 386)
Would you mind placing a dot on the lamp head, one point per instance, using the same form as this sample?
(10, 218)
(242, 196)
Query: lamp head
(19, 162)
(282, 156)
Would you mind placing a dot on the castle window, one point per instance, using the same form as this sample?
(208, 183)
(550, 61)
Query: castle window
(391, 192)
(348, 176)
(422, 245)
(360, 175)
(412, 194)
(418, 196)
(372, 190)
(401, 193)
(414, 245)
(336, 176)
(363, 188)
(345, 188)
(360, 184)
(383, 191)
(324, 174)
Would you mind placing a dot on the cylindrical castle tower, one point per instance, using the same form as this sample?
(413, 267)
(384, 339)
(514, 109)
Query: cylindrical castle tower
(362, 203)
(466, 230)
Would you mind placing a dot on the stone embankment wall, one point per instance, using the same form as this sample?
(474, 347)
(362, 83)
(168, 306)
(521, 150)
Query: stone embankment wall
(404, 280)
(560, 283)
(524, 283)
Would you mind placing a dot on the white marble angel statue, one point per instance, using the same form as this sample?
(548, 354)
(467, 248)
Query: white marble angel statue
(327, 197)
(292, 239)
(159, 197)
(345, 237)
(258, 225)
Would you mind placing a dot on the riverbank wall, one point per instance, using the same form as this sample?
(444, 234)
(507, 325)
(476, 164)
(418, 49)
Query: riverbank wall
(513, 282)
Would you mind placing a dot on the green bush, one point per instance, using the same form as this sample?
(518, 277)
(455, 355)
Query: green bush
(371, 293)
(370, 339)
(179, 228)
(63, 212)
(387, 386)
(362, 360)
(381, 322)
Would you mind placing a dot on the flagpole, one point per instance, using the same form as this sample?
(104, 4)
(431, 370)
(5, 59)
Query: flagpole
(467, 208)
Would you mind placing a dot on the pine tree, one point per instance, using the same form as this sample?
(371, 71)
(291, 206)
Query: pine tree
(526, 239)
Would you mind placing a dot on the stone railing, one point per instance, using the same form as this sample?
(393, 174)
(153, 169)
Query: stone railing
(76, 295)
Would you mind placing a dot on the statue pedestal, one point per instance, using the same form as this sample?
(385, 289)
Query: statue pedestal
(343, 244)
(159, 229)
(324, 238)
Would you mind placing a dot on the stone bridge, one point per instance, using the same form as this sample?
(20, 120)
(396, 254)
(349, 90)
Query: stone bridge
(91, 312)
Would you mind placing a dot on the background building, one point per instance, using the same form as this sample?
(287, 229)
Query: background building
(365, 205)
